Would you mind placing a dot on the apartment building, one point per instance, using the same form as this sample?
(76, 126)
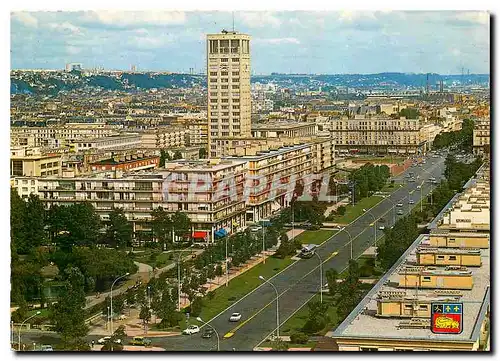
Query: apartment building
(427, 134)
(59, 136)
(198, 189)
(126, 163)
(121, 141)
(281, 129)
(377, 135)
(271, 173)
(163, 138)
(228, 83)
(481, 136)
(395, 315)
(32, 162)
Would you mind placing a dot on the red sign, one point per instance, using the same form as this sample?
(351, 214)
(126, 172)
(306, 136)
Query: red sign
(446, 318)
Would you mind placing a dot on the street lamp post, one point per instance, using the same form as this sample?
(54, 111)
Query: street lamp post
(213, 328)
(263, 245)
(179, 278)
(227, 268)
(277, 306)
(374, 227)
(350, 237)
(320, 277)
(111, 294)
(20, 328)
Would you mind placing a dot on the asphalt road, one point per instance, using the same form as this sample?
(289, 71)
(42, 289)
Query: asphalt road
(300, 281)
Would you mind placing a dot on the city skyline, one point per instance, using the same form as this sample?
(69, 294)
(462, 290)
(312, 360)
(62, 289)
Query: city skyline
(284, 42)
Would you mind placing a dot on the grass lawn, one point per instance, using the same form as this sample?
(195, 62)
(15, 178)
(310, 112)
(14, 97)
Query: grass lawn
(379, 159)
(353, 212)
(314, 237)
(298, 320)
(155, 258)
(240, 286)
(44, 313)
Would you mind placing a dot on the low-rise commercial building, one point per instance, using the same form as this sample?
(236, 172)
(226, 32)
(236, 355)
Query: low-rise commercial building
(126, 163)
(32, 162)
(122, 141)
(163, 138)
(395, 315)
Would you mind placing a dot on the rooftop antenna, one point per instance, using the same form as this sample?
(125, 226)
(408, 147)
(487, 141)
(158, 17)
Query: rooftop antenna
(233, 21)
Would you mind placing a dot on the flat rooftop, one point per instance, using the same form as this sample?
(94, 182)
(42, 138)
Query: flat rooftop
(362, 322)
(281, 125)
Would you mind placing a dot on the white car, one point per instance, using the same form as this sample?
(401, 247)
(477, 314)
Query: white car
(411, 201)
(399, 205)
(122, 317)
(419, 186)
(191, 330)
(381, 228)
(103, 340)
(235, 317)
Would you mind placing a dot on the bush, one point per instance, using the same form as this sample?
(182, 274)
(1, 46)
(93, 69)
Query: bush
(299, 337)
(365, 271)
(314, 325)
(341, 210)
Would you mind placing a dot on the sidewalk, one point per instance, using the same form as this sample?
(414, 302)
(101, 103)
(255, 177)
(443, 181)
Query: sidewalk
(144, 274)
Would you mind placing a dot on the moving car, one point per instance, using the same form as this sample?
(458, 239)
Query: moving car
(399, 205)
(47, 348)
(191, 330)
(400, 211)
(105, 339)
(307, 250)
(235, 317)
(382, 227)
(207, 333)
(140, 341)
(411, 201)
(419, 186)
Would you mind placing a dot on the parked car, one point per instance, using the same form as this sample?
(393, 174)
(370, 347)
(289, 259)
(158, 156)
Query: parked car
(47, 348)
(207, 333)
(235, 317)
(411, 201)
(419, 186)
(140, 341)
(381, 227)
(399, 205)
(122, 317)
(191, 330)
(400, 211)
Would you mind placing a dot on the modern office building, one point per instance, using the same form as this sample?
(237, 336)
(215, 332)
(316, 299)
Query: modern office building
(228, 83)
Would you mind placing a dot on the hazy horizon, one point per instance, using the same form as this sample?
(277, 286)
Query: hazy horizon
(287, 42)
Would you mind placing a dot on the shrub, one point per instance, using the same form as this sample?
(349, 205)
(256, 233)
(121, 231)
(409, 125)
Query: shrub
(299, 337)
(341, 210)
(195, 307)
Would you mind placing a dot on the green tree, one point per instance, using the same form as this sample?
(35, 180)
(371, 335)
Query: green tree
(177, 155)
(161, 225)
(332, 276)
(181, 224)
(119, 230)
(17, 229)
(67, 314)
(317, 317)
(145, 314)
(349, 291)
(202, 153)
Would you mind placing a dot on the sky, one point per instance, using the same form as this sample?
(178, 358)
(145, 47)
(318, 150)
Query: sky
(327, 42)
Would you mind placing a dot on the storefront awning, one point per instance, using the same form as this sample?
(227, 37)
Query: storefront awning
(199, 234)
(221, 233)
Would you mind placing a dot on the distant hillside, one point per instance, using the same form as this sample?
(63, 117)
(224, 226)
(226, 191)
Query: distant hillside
(53, 83)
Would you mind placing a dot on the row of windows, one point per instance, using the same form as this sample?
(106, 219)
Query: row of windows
(49, 165)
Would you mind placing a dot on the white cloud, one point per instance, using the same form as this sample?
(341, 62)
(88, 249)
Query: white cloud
(66, 27)
(128, 18)
(278, 41)
(259, 19)
(25, 18)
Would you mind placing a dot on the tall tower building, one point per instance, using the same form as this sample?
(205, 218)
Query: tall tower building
(228, 83)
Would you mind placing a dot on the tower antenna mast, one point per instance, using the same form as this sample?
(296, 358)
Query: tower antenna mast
(233, 21)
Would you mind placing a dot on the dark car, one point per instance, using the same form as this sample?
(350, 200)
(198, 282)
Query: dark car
(207, 333)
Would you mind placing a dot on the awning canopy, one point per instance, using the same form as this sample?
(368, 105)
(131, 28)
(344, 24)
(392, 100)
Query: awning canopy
(221, 233)
(199, 234)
